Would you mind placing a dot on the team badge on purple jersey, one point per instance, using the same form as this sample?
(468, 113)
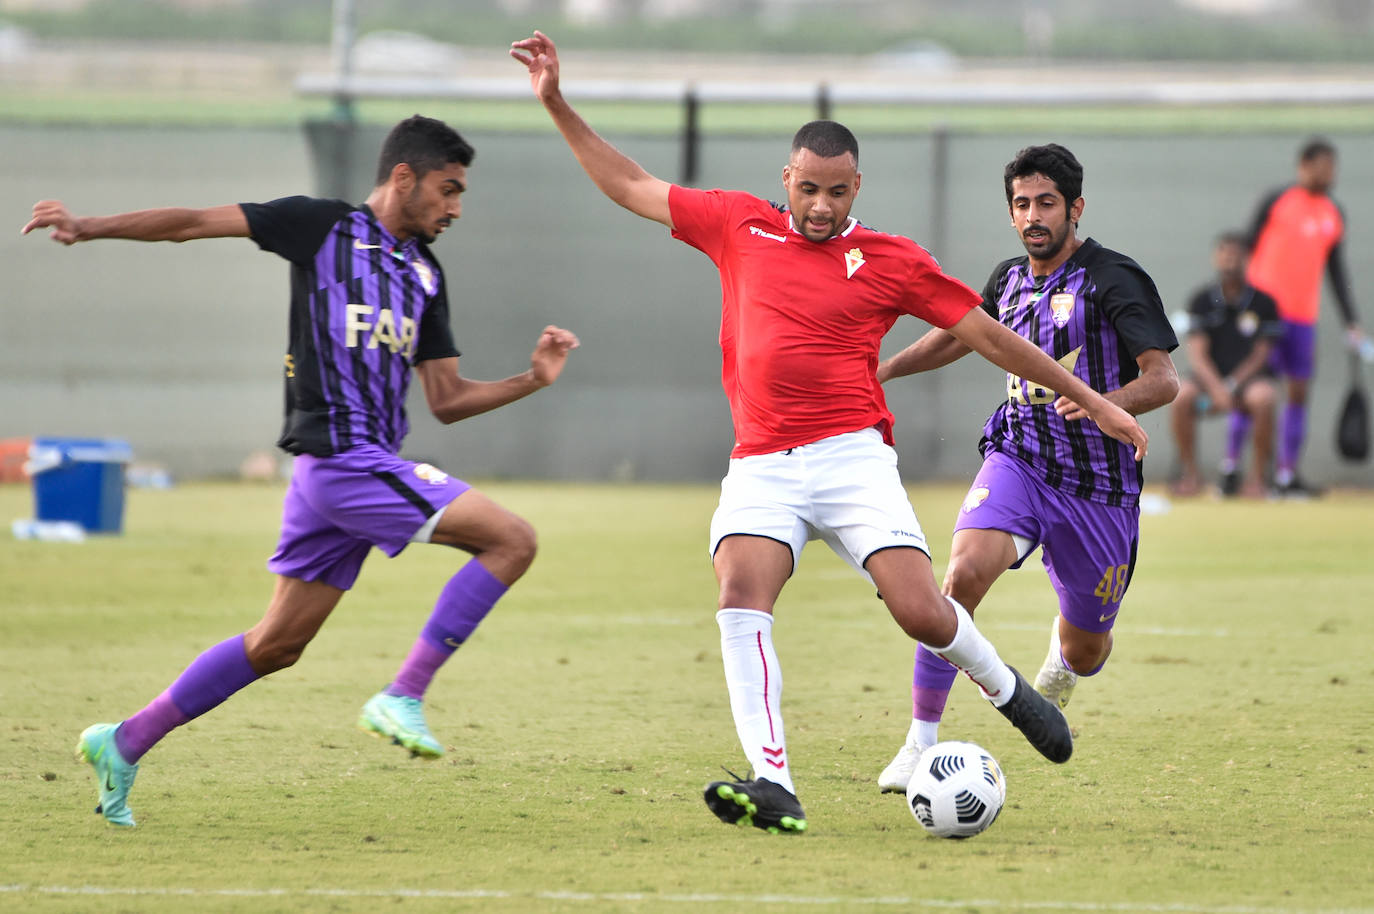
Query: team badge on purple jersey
(427, 279)
(1061, 308)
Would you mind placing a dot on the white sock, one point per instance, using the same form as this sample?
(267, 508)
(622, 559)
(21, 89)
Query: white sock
(976, 656)
(754, 679)
(923, 733)
(1056, 654)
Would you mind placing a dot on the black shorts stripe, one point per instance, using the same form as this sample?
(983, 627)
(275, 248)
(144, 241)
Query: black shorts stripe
(399, 486)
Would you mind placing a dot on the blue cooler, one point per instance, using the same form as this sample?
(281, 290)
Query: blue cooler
(80, 480)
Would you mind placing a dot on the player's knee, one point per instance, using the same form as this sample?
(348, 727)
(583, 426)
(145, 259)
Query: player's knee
(966, 583)
(736, 595)
(926, 625)
(519, 544)
(1261, 396)
(268, 657)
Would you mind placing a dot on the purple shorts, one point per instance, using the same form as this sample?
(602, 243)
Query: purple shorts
(1294, 354)
(1088, 548)
(337, 508)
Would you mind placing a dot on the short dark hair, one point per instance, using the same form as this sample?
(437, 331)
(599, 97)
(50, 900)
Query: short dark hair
(424, 144)
(1233, 236)
(826, 139)
(1054, 162)
(1316, 147)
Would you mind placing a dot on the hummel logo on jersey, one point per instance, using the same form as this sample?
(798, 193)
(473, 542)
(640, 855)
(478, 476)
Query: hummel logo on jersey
(853, 259)
(755, 230)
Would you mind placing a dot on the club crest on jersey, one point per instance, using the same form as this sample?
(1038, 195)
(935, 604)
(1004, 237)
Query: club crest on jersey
(853, 259)
(1247, 323)
(1061, 308)
(975, 498)
(426, 276)
(431, 474)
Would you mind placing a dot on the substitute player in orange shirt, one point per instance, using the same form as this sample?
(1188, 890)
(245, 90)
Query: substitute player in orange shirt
(806, 295)
(1296, 234)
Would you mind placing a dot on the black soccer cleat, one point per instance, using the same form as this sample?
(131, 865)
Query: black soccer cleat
(1298, 489)
(1040, 722)
(758, 802)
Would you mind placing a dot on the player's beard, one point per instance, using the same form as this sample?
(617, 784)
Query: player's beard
(807, 232)
(1050, 248)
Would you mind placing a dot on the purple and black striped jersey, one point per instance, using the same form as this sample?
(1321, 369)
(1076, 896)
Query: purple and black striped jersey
(1095, 314)
(365, 308)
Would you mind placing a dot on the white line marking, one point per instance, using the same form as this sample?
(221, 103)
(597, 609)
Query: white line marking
(599, 897)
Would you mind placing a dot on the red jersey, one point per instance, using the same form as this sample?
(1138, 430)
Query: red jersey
(802, 321)
(1292, 246)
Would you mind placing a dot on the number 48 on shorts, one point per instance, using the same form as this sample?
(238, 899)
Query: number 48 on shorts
(1112, 587)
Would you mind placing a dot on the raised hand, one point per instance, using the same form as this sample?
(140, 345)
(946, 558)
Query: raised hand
(540, 57)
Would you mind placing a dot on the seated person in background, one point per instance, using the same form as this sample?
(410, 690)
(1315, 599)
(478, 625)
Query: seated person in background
(1231, 332)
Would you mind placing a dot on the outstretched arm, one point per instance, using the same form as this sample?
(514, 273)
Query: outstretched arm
(616, 174)
(167, 224)
(934, 350)
(452, 397)
(1007, 350)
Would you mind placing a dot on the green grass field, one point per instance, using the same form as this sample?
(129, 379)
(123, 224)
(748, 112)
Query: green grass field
(1223, 758)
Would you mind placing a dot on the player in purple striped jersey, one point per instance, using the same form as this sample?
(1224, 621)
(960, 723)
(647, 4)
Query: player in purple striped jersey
(1049, 479)
(368, 307)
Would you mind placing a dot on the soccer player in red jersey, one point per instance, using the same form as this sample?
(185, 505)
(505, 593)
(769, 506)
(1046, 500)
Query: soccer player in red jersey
(1296, 234)
(807, 294)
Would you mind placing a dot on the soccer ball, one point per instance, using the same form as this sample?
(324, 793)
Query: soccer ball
(957, 790)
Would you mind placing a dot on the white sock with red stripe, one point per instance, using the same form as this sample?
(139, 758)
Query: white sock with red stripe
(754, 679)
(976, 656)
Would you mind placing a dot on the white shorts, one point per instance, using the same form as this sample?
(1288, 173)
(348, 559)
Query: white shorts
(844, 490)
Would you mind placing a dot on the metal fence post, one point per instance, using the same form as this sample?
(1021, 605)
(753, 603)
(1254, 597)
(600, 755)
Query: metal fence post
(691, 134)
(939, 190)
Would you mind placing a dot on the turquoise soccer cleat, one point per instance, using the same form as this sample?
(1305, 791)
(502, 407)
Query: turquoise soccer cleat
(113, 775)
(400, 719)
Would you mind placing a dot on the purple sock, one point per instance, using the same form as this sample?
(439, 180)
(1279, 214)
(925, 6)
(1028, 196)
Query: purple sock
(138, 734)
(463, 603)
(1236, 432)
(1291, 436)
(931, 679)
(211, 678)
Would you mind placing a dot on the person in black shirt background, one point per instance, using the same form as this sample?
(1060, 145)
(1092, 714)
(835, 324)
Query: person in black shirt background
(1231, 333)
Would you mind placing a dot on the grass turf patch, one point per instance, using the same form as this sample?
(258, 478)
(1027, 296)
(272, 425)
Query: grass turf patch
(1231, 729)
